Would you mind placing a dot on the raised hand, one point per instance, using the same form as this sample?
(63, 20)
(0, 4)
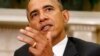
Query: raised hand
(40, 44)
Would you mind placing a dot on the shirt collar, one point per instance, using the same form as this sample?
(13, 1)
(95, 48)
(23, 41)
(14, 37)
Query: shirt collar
(59, 48)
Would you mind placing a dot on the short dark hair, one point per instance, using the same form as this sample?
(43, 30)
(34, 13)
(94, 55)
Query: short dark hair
(61, 4)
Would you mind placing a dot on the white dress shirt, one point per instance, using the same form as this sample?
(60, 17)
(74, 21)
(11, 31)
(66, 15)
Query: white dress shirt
(59, 48)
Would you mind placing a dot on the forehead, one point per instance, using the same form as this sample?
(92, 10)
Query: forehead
(35, 4)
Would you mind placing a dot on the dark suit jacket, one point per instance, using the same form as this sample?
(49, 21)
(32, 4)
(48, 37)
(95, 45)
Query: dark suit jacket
(75, 47)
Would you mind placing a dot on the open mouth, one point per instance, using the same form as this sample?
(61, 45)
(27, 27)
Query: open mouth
(46, 27)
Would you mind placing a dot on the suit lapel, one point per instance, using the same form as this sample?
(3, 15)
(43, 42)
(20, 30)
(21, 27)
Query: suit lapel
(70, 49)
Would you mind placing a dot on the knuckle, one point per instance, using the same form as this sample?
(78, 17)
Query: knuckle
(30, 42)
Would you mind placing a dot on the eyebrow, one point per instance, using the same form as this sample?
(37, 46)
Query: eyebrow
(48, 6)
(43, 7)
(33, 12)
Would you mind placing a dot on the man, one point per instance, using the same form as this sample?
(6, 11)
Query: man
(46, 35)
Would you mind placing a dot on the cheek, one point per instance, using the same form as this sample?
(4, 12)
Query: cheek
(58, 17)
(33, 25)
(59, 20)
(59, 23)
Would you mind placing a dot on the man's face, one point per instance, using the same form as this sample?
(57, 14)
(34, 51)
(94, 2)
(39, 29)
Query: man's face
(46, 16)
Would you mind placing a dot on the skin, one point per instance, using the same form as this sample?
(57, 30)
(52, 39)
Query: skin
(46, 26)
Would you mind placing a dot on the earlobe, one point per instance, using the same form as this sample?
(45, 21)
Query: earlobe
(66, 16)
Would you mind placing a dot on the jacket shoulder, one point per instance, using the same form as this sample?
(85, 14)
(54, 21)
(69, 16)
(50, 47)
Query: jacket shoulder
(86, 48)
(22, 51)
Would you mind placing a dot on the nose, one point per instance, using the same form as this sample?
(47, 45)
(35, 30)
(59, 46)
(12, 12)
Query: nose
(43, 17)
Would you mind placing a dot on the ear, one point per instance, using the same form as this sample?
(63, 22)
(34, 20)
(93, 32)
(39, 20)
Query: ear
(66, 16)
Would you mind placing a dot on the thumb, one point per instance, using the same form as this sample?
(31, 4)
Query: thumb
(49, 36)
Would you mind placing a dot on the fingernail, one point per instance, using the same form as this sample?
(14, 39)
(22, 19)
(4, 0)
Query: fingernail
(21, 30)
(27, 28)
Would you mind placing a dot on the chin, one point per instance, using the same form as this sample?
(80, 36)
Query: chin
(54, 34)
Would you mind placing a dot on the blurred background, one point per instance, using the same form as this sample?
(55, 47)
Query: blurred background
(84, 22)
(78, 5)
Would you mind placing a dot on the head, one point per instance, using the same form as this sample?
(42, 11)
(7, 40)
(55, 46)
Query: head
(47, 16)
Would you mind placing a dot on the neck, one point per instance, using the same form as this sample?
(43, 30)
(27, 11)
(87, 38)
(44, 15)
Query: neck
(59, 38)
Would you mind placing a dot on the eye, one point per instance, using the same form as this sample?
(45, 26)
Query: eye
(34, 14)
(49, 9)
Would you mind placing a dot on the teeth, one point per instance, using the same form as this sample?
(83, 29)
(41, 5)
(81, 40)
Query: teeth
(45, 28)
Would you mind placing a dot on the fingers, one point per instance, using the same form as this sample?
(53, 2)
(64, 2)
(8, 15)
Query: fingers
(30, 34)
(33, 51)
(27, 36)
(31, 30)
(26, 40)
(49, 36)
(38, 41)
